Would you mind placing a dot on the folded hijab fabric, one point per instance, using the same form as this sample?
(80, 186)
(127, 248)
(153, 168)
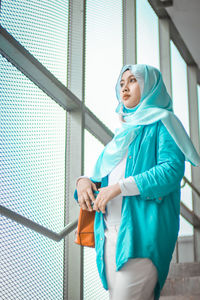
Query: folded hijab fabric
(155, 104)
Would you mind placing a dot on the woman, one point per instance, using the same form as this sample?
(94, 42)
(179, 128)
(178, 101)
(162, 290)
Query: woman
(138, 204)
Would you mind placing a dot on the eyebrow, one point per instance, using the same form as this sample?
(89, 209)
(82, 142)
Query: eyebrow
(128, 77)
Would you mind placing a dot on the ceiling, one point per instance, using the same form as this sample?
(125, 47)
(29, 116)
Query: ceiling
(185, 15)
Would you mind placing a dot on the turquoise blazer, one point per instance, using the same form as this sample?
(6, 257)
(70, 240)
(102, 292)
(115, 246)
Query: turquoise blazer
(150, 221)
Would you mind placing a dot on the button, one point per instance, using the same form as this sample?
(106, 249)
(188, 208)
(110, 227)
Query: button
(160, 198)
(101, 239)
(130, 156)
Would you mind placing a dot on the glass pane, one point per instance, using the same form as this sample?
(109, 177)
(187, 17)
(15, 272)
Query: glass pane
(93, 288)
(32, 159)
(147, 34)
(42, 28)
(103, 58)
(180, 104)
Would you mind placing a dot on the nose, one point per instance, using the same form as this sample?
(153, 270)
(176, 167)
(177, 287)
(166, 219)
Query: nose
(125, 88)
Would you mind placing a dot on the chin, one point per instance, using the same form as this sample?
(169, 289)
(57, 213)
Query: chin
(130, 106)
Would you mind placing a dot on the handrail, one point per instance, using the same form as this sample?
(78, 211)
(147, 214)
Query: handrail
(191, 185)
(189, 215)
(37, 227)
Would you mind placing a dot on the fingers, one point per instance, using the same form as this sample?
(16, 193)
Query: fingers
(85, 193)
(94, 186)
(100, 205)
(87, 201)
(84, 201)
(95, 207)
(91, 194)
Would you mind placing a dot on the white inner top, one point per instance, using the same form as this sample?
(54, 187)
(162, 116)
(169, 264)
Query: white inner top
(113, 214)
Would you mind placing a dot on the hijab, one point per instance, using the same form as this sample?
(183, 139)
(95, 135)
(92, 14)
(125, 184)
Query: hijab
(155, 105)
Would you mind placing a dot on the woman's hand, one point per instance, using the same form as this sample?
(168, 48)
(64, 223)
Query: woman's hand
(106, 194)
(85, 189)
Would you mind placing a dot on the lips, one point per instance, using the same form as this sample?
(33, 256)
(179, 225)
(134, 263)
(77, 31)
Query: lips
(126, 96)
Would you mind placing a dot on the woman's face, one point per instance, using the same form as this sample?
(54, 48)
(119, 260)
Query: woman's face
(130, 90)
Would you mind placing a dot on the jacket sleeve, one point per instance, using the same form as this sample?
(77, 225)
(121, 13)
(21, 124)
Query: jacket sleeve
(166, 175)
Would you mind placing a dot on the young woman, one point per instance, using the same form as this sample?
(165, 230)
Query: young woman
(138, 204)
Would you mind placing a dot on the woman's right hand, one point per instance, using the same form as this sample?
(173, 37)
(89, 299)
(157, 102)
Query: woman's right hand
(85, 189)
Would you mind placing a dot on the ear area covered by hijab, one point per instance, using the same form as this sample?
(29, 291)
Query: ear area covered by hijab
(155, 104)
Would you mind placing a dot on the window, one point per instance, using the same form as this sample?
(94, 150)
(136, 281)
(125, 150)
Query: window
(147, 36)
(103, 58)
(180, 104)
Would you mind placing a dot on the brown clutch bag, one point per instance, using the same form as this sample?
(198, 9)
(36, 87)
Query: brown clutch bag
(85, 228)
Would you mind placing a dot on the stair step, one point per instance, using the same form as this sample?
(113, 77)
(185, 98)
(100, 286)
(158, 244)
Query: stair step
(184, 269)
(182, 286)
(180, 297)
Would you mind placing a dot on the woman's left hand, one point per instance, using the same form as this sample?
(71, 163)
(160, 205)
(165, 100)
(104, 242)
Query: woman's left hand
(106, 194)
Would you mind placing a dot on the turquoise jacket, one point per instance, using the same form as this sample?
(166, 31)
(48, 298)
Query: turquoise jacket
(150, 221)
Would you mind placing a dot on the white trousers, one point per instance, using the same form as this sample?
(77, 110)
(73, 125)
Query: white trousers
(136, 280)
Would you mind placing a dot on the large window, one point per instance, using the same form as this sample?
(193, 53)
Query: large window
(103, 58)
(147, 34)
(180, 104)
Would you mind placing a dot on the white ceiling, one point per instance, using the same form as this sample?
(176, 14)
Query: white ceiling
(185, 15)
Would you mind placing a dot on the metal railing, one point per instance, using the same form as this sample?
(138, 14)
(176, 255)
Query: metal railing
(37, 227)
(189, 215)
(191, 185)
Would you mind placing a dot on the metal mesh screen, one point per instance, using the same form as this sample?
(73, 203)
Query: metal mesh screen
(32, 174)
(42, 28)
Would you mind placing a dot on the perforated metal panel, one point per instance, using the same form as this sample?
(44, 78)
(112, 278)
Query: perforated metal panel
(32, 176)
(42, 28)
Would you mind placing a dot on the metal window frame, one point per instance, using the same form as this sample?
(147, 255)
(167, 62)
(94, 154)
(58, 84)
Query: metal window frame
(73, 282)
(164, 52)
(194, 134)
(129, 32)
(175, 36)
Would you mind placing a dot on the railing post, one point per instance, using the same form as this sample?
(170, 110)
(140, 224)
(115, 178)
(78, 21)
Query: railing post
(73, 268)
(194, 134)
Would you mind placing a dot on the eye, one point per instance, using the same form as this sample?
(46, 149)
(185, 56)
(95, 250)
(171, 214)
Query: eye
(132, 79)
(121, 84)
